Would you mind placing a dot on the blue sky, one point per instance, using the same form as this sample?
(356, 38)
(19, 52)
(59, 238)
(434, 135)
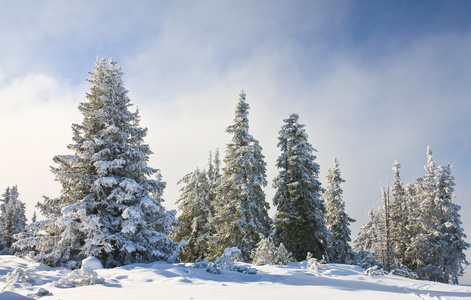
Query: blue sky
(374, 82)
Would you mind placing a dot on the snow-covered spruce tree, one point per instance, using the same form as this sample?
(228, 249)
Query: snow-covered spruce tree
(265, 253)
(422, 259)
(12, 217)
(374, 236)
(436, 250)
(337, 220)
(384, 235)
(384, 254)
(214, 178)
(2, 235)
(450, 240)
(109, 207)
(368, 239)
(197, 210)
(283, 256)
(399, 219)
(299, 221)
(242, 210)
(413, 226)
(214, 171)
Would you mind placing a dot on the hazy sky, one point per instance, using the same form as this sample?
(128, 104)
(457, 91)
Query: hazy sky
(374, 82)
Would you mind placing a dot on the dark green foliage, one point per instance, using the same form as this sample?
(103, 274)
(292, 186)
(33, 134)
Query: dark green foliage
(299, 222)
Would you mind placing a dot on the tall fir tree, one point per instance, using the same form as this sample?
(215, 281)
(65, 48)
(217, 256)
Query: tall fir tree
(439, 244)
(197, 211)
(12, 217)
(399, 219)
(242, 210)
(381, 235)
(109, 206)
(384, 253)
(451, 239)
(422, 258)
(299, 221)
(368, 238)
(214, 179)
(337, 220)
(214, 170)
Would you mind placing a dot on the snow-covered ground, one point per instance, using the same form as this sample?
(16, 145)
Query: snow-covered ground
(166, 281)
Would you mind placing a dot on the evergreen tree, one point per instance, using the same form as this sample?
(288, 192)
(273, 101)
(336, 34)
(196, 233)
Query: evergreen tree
(375, 236)
(2, 237)
(423, 260)
(424, 226)
(12, 217)
(384, 253)
(242, 210)
(214, 171)
(439, 243)
(197, 211)
(337, 220)
(265, 253)
(450, 240)
(34, 218)
(283, 256)
(399, 219)
(368, 239)
(214, 179)
(109, 207)
(299, 221)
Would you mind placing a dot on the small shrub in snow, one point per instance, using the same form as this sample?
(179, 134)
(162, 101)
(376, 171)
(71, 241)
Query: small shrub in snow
(283, 256)
(365, 260)
(80, 277)
(40, 292)
(174, 259)
(18, 278)
(266, 253)
(200, 264)
(227, 259)
(404, 271)
(312, 263)
(213, 270)
(375, 271)
(244, 270)
(72, 264)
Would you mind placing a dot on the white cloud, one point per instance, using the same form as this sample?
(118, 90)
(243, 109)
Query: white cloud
(36, 112)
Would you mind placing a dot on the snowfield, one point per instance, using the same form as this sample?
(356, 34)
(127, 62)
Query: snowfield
(160, 280)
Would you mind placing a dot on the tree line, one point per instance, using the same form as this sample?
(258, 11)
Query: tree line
(418, 226)
(110, 205)
(228, 208)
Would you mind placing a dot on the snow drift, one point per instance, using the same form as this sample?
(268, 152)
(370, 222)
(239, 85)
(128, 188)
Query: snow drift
(161, 280)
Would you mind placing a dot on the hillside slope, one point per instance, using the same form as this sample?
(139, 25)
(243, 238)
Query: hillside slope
(165, 281)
